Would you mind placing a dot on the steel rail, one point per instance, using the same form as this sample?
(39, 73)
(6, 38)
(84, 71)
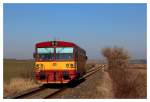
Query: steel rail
(25, 93)
(94, 68)
(91, 72)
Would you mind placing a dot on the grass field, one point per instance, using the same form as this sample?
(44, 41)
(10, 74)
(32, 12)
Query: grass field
(18, 76)
(137, 81)
(17, 69)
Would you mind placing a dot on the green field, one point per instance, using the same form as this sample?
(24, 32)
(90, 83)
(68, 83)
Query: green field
(17, 69)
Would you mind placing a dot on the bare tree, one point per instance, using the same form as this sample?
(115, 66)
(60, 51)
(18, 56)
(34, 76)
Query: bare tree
(117, 59)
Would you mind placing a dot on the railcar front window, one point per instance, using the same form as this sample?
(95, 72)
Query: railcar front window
(45, 53)
(64, 53)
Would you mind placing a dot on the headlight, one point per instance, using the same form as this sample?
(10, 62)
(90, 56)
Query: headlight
(38, 66)
(71, 65)
(67, 65)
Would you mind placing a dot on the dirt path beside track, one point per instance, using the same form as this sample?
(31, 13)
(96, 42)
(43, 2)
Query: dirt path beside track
(97, 86)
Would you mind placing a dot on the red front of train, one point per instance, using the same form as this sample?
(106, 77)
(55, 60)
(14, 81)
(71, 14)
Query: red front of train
(58, 62)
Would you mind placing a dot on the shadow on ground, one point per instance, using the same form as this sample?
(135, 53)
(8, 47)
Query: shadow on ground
(71, 84)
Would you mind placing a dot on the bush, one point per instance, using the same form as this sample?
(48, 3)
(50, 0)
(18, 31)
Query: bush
(117, 59)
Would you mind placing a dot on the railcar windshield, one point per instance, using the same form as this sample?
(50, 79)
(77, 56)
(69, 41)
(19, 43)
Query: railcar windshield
(45, 53)
(64, 53)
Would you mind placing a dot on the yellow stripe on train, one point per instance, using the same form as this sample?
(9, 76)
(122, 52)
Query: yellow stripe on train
(55, 65)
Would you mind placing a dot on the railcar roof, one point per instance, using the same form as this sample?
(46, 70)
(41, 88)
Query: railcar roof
(59, 43)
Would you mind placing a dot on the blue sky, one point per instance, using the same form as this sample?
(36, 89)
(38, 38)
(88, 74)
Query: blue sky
(91, 26)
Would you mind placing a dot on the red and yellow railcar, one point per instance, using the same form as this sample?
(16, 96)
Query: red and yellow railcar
(58, 62)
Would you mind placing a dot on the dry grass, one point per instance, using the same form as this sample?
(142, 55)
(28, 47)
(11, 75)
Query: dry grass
(137, 79)
(105, 86)
(139, 87)
(89, 66)
(18, 85)
(137, 66)
(18, 76)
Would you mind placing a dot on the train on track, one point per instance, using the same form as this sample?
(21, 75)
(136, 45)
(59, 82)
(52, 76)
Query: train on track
(58, 62)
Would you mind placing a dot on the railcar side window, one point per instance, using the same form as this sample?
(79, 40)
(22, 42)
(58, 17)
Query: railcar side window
(64, 53)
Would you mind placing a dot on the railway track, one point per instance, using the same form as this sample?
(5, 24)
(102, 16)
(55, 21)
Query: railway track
(44, 92)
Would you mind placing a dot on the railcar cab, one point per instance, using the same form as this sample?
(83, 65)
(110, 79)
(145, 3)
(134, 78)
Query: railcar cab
(54, 51)
(58, 61)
